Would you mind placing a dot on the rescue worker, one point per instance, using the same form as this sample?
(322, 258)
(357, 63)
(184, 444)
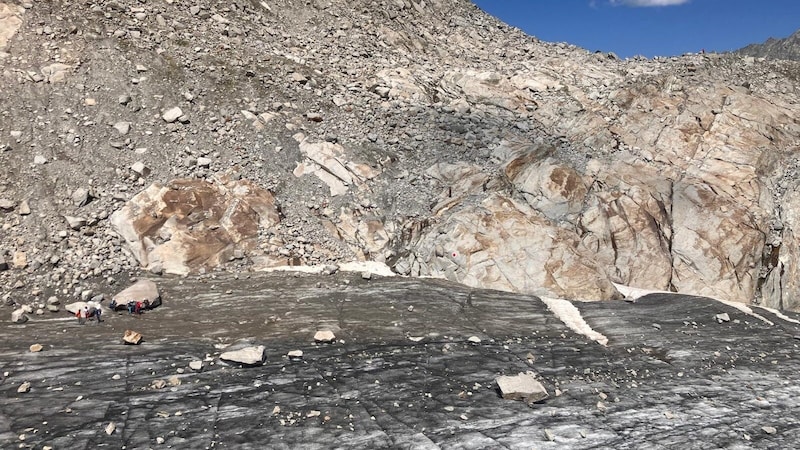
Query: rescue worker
(82, 314)
(96, 314)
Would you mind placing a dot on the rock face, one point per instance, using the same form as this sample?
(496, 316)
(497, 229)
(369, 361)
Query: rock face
(667, 218)
(188, 224)
(483, 245)
(672, 227)
(474, 153)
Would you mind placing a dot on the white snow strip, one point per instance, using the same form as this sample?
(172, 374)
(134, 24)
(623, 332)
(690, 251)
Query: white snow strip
(373, 267)
(779, 314)
(571, 316)
(300, 269)
(635, 293)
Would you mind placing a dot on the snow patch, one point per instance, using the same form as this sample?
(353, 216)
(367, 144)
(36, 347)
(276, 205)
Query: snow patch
(636, 293)
(571, 316)
(373, 267)
(779, 314)
(300, 269)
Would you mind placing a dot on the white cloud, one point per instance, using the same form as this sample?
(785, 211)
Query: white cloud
(648, 3)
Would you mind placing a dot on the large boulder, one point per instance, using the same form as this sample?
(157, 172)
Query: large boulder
(523, 386)
(10, 21)
(248, 356)
(19, 260)
(141, 291)
(56, 72)
(74, 307)
(189, 224)
(485, 87)
(19, 315)
(399, 83)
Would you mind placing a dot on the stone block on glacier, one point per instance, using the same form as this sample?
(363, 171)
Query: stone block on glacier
(523, 386)
(248, 356)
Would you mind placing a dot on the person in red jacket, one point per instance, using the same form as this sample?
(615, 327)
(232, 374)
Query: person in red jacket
(82, 314)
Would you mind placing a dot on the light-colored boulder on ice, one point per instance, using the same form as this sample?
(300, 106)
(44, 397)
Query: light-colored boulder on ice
(190, 224)
(141, 291)
(248, 356)
(523, 386)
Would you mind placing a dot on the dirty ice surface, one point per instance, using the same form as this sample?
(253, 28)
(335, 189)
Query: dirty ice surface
(413, 365)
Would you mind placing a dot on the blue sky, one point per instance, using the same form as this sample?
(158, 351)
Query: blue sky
(650, 27)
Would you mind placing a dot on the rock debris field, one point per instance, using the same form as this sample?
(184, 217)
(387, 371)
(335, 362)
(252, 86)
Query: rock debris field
(413, 364)
(178, 137)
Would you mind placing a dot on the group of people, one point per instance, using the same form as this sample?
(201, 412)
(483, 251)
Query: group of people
(133, 307)
(94, 311)
(88, 313)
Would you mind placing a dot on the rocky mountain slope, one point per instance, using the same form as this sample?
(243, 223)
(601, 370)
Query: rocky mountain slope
(181, 137)
(787, 48)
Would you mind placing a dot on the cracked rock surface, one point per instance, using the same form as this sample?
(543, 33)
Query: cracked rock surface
(397, 376)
